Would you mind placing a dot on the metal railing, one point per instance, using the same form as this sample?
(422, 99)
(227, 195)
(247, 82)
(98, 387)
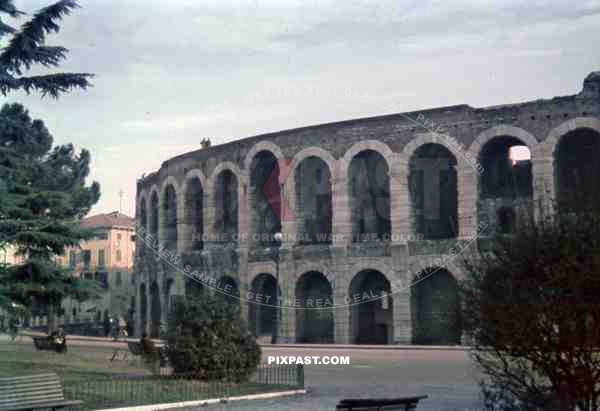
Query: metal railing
(109, 391)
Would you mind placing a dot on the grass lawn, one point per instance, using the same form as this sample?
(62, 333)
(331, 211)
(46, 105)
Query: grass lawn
(73, 366)
(89, 375)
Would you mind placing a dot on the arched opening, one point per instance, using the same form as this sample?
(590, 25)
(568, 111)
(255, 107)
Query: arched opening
(228, 290)
(313, 201)
(155, 311)
(153, 226)
(144, 223)
(170, 218)
(265, 198)
(194, 213)
(143, 309)
(369, 189)
(577, 171)
(506, 184)
(262, 307)
(371, 312)
(226, 203)
(433, 190)
(314, 321)
(436, 309)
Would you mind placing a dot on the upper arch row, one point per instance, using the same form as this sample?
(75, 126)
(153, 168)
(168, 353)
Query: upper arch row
(467, 156)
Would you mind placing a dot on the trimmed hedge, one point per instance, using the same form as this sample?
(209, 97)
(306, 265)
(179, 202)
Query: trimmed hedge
(207, 339)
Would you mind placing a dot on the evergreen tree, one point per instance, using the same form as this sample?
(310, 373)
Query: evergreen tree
(43, 194)
(26, 48)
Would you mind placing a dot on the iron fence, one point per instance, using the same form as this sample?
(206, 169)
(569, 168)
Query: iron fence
(111, 391)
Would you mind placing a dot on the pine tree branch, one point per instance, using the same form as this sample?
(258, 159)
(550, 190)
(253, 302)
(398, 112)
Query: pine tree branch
(22, 49)
(7, 7)
(50, 84)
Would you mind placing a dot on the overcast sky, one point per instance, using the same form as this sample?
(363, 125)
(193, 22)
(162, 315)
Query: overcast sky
(162, 66)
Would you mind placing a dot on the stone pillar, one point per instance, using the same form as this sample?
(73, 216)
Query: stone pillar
(287, 313)
(542, 170)
(341, 312)
(340, 205)
(468, 192)
(289, 214)
(400, 204)
(244, 225)
(401, 288)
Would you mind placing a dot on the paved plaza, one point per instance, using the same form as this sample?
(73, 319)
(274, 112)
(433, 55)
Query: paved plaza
(446, 376)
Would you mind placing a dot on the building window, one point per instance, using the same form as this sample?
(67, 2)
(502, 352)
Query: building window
(101, 235)
(86, 257)
(119, 278)
(119, 256)
(101, 258)
(72, 258)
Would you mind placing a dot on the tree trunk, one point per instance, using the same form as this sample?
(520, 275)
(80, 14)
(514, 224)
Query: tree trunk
(52, 318)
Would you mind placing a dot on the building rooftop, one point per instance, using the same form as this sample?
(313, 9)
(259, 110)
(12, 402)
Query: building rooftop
(108, 220)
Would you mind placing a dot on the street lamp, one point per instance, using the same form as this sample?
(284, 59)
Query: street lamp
(278, 238)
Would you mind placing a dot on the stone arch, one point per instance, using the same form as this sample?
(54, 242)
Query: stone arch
(169, 216)
(194, 208)
(314, 321)
(264, 198)
(373, 145)
(257, 148)
(225, 189)
(433, 188)
(550, 144)
(369, 189)
(155, 311)
(319, 152)
(225, 165)
(371, 312)
(194, 173)
(575, 151)
(143, 309)
(313, 200)
(143, 209)
(503, 184)
(436, 308)
(498, 131)
(154, 211)
(262, 307)
(413, 145)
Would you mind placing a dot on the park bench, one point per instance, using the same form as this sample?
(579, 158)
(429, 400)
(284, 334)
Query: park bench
(46, 343)
(33, 392)
(135, 348)
(380, 404)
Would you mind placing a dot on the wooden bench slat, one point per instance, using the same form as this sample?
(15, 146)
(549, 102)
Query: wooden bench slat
(12, 380)
(47, 389)
(30, 394)
(40, 384)
(32, 399)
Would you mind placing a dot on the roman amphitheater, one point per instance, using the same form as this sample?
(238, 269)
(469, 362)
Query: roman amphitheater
(364, 206)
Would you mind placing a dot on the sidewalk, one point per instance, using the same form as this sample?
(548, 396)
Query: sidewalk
(110, 341)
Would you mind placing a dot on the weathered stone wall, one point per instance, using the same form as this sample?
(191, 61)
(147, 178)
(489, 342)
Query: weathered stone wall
(463, 130)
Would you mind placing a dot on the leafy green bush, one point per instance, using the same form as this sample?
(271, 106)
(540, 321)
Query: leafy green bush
(207, 338)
